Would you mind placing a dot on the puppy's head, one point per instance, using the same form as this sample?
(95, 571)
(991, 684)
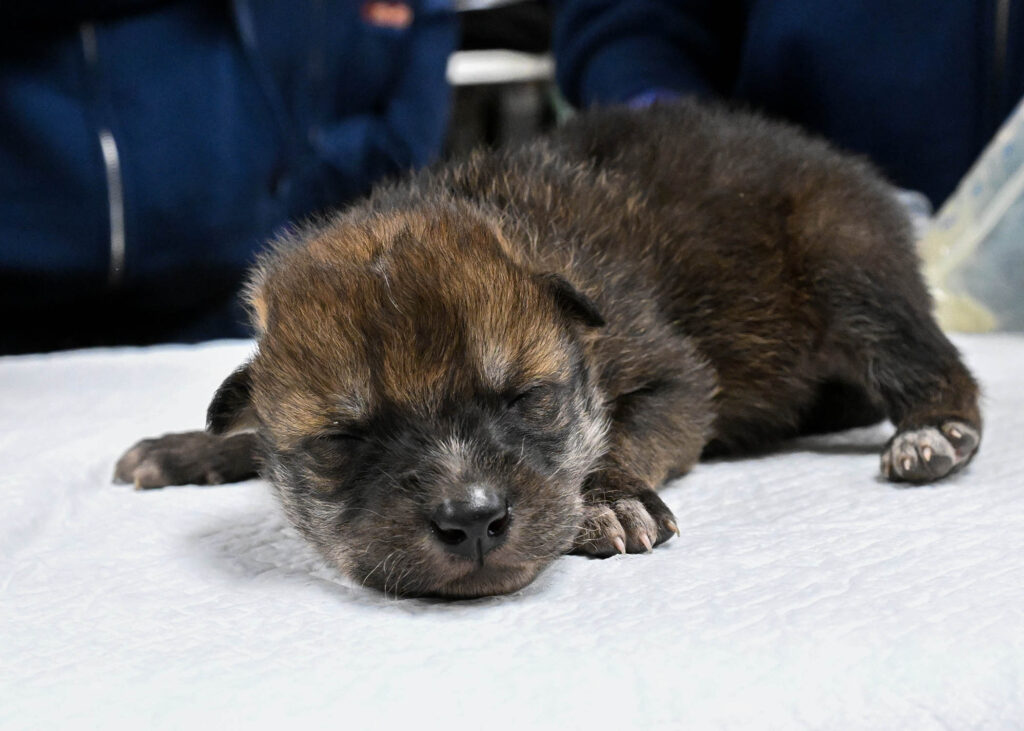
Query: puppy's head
(425, 401)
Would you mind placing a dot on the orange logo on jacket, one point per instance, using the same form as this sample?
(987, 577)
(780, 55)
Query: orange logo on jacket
(387, 14)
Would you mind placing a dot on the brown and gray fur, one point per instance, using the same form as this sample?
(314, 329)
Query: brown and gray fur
(569, 324)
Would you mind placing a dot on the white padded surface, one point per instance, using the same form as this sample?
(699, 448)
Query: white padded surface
(804, 591)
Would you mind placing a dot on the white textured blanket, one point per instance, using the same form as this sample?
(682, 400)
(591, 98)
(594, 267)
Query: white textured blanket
(803, 592)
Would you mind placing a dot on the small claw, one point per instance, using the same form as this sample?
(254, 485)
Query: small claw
(671, 525)
(955, 433)
(646, 541)
(926, 454)
(907, 464)
(620, 545)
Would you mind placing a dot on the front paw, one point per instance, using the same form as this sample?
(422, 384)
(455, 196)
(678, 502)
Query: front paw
(930, 453)
(188, 458)
(624, 523)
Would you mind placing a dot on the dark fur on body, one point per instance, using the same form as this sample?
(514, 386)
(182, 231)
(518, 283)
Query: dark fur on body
(574, 321)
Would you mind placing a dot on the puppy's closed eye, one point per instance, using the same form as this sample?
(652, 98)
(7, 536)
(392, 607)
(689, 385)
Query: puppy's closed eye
(333, 449)
(338, 436)
(538, 401)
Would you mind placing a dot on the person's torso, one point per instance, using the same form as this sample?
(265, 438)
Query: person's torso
(918, 87)
(152, 144)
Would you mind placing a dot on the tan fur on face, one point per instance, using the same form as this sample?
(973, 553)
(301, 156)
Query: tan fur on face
(392, 310)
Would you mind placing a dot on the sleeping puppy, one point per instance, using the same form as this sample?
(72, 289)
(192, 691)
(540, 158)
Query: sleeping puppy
(500, 360)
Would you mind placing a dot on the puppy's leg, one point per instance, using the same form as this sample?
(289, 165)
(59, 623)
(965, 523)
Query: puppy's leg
(659, 427)
(928, 394)
(882, 328)
(189, 458)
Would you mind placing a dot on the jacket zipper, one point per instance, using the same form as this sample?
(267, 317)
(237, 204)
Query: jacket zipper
(112, 169)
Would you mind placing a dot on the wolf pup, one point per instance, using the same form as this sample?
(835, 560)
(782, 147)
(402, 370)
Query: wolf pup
(500, 360)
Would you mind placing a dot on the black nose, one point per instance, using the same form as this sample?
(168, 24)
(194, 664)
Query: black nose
(474, 525)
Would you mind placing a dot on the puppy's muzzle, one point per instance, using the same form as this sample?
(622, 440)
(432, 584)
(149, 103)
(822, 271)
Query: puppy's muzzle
(472, 523)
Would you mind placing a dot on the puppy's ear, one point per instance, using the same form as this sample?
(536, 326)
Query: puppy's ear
(571, 301)
(231, 408)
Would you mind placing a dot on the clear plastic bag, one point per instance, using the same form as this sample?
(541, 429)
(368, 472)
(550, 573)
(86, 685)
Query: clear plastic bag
(973, 252)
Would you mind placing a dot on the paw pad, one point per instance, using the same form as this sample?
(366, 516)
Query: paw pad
(930, 453)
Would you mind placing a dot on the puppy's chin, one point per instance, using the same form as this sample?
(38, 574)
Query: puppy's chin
(468, 581)
(488, 580)
(422, 570)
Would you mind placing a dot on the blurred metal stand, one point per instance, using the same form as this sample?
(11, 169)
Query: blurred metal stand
(505, 94)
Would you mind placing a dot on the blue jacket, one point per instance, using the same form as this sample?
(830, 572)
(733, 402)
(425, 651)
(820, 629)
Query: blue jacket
(920, 87)
(152, 146)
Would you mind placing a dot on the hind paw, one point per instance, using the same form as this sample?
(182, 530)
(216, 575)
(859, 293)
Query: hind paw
(930, 453)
